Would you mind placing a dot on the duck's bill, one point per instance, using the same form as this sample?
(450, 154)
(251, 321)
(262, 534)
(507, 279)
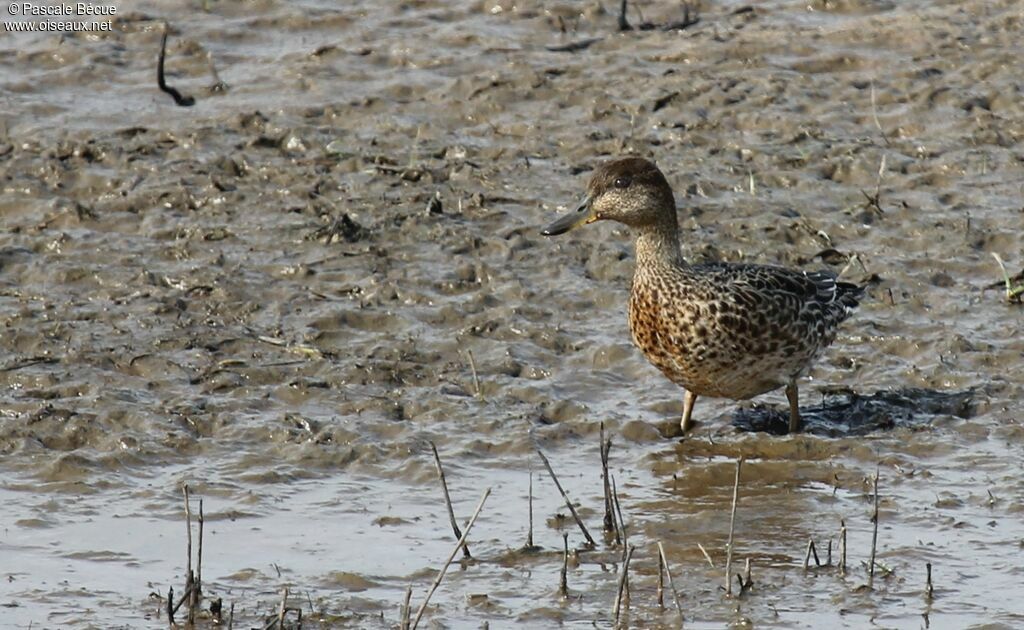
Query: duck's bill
(584, 214)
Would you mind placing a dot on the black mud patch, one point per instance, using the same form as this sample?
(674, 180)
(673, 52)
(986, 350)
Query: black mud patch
(849, 413)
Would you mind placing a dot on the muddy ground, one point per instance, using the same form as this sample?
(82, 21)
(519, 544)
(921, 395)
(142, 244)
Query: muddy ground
(257, 296)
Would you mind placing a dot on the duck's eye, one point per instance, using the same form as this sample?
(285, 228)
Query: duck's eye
(622, 182)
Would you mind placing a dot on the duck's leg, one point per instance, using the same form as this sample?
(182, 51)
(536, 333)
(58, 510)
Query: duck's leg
(794, 406)
(688, 399)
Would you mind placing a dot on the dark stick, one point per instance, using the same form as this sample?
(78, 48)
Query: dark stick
(623, 577)
(811, 549)
(448, 500)
(609, 518)
(828, 561)
(231, 617)
(929, 590)
(568, 503)
(623, 23)
(732, 527)
(563, 585)
(874, 537)
(661, 582)
(180, 99)
(671, 584)
(170, 606)
(185, 595)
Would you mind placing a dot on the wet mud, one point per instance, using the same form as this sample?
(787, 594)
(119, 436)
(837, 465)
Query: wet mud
(850, 413)
(283, 294)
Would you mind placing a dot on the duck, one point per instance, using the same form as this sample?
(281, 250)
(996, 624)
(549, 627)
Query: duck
(717, 329)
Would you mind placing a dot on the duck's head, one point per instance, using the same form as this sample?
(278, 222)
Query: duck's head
(629, 190)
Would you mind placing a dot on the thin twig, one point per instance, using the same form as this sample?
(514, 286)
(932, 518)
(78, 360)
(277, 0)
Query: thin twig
(197, 590)
(529, 535)
(448, 500)
(622, 584)
(874, 114)
(444, 569)
(189, 576)
(671, 584)
(568, 503)
(874, 536)
(707, 556)
(618, 511)
(472, 368)
(732, 527)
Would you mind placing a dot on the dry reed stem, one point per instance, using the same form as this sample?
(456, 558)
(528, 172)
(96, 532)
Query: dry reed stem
(732, 528)
(623, 578)
(929, 590)
(671, 584)
(568, 503)
(472, 367)
(563, 582)
(842, 547)
(874, 537)
(609, 518)
(707, 556)
(282, 609)
(448, 500)
(444, 569)
(622, 523)
(405, 609)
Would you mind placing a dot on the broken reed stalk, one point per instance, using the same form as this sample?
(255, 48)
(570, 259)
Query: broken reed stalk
(568, 503)
(671, 584)
(170, 607)
(448, 500)
(282, 609)
(811, 549)
(609, 518)
(622, 523)
(563, 583)
(405, 609)
(842, 547)
(231, 617)
(444, 569)
(929, 590)
(529, 533)
(661, 582)
(707, 556)
(472, 368)
(874, 537)
(190, 579)
(732, 528)
(197, 587)
(623, 579)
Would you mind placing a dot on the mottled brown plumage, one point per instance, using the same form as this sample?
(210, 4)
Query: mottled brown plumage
(721, 330)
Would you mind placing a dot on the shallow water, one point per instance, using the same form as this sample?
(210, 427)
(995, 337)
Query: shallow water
(182, 301)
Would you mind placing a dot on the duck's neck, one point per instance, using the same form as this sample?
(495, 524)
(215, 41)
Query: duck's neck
(658, 245)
